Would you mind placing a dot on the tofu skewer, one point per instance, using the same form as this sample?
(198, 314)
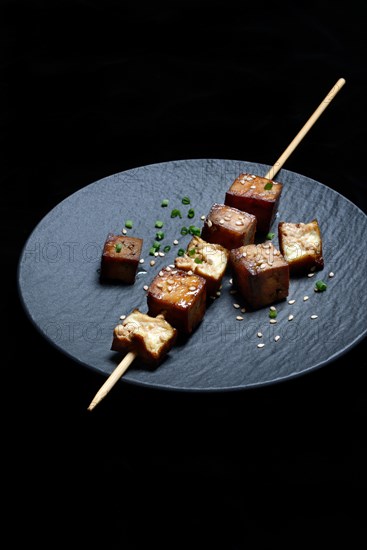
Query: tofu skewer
(158, 300)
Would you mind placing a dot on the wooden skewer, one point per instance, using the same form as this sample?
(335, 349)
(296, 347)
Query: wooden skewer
(301, 134)
(112, 379)
(130, 357)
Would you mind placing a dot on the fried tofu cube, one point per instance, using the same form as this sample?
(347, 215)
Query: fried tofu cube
(150, 337)
(205, 259)
(180, 297)
(228, 227)
(120, 258)
(256, 195)
(301, 246)
(260, 273)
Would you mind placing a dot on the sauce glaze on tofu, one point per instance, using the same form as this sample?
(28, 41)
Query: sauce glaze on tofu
(229, 227)
(260, 273)
(258, 196)
(180, 297)
(150, 337)
(206, 259)
(301, 246)
(120, 258)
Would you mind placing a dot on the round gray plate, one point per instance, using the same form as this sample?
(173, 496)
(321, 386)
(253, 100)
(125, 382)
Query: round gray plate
(59, 283)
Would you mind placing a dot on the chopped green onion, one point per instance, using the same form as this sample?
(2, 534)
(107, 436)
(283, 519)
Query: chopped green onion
(268, 185)
(167, 248)
(270, 236)
(185, 200)
(198, 261)
(180, 252)
(191, 213)
(156, 245)
(158, 224)
(273, 313)
(165, 202)
(159, 235)
(118, 247)
(193, 230)
(192, 252)
(128, 224)
(152, 251)
(175, 212)
(184, 231)
(320, 286)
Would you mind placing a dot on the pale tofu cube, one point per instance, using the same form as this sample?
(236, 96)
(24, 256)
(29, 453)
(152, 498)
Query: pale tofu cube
(206, 259)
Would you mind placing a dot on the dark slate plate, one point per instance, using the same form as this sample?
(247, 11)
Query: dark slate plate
(60, 288)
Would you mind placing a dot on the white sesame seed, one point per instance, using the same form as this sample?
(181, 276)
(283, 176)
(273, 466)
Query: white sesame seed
(141, 260)
(260, 345)
(161, 273)
(243, 310)
(192, 287)
(168, 268)
(122, 317)
(161, 254)
(310, 275)
(209, 223)
(202, 217)
(305, 298)
(253, 187)
(331, 274)
(145, 287)
(124, 231)
(239, 222)
(152, 262)
(169, 288)
(218, 293)
(155, 254)
(314, 316)
(189, 272)
(230, 281)
(236, 306)
(273, 308)
(175, 241)
(244, 254)
(170, 281)
(276, 338)
(290, 318)
(259, 335)
(221, 221)
(175, 271)
(262, 266)
(291, 302)
(273, 321)
(239, 318)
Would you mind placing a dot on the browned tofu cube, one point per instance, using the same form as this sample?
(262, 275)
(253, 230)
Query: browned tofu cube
(301, 246)
(260, 273)
(120, 258)
(228, 227)
(180, 297)
(256, 195)
(150, 337)
(206, 259)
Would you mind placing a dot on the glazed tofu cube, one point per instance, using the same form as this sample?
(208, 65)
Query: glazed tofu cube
(205, 259)
(150, 337)
(260, 274)
(301, 246)
(180, 297)
(228, 227)
(256, 195)
(120, 258)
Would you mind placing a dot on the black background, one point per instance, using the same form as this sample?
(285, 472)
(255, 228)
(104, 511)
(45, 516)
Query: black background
(91, 88)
